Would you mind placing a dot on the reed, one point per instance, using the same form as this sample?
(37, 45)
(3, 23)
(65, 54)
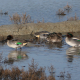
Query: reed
(34, 72)
(17, 19)
(26, 19)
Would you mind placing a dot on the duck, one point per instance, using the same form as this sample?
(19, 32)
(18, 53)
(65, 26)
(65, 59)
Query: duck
(15, 43)
(72, 41)
(41, 34)
(54, 37)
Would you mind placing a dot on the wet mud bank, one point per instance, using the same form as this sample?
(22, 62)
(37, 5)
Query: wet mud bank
(31, 28)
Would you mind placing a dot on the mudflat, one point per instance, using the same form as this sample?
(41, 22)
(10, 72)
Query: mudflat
(31, 28)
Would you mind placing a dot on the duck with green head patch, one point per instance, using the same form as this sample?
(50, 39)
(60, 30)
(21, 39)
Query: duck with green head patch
(14, 43)
(72, 41)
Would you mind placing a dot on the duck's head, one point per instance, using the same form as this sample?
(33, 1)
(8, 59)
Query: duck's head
(9, 37)
(52, 34)
(69, 35)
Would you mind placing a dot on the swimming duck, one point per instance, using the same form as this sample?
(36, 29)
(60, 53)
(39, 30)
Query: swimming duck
(72, 41)
(41, 34)
(14, 43)
(54, 37)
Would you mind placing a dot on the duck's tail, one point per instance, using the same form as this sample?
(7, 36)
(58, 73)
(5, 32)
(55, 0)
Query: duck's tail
(24, 44)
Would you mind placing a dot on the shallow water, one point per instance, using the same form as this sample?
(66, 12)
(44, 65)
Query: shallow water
(64, 58)
(38, 9)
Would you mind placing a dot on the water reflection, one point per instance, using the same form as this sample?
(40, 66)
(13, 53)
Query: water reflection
(2, 44)
(51, 45)
(17, 55)
(71, 52)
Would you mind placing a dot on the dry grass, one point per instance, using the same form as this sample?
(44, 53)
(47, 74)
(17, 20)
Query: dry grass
(60, 12)
(75, 18)
(17, 19)
(34, 73)
(41, 21)
(26, 19)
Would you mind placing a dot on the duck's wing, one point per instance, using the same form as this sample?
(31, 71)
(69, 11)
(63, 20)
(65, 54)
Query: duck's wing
(76, 38)
(18, 42)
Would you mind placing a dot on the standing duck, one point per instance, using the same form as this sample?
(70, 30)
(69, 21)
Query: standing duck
(14, 43)
(54, 37)
(72, 41)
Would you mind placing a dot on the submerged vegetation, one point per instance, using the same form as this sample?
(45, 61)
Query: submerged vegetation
(33, 73)
(17, 19)
(75, 18)
(67, 7)
(3, 13)
(61, 12)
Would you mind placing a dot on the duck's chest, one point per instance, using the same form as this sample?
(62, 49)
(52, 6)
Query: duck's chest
(71, 42)
(10, 44)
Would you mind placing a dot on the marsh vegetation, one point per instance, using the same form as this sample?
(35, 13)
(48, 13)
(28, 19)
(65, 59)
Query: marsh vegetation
(33, 73)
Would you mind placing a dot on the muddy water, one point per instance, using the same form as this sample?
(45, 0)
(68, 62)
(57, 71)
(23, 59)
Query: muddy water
(65, 59)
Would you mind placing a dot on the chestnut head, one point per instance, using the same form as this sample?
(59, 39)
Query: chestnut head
(9, 37)
(69, 35)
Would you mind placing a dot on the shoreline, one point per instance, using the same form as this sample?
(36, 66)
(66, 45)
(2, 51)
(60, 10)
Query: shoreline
(31, 28)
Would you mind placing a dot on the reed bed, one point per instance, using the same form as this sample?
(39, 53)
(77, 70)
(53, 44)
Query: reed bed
(33, 73)
(17, 19)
